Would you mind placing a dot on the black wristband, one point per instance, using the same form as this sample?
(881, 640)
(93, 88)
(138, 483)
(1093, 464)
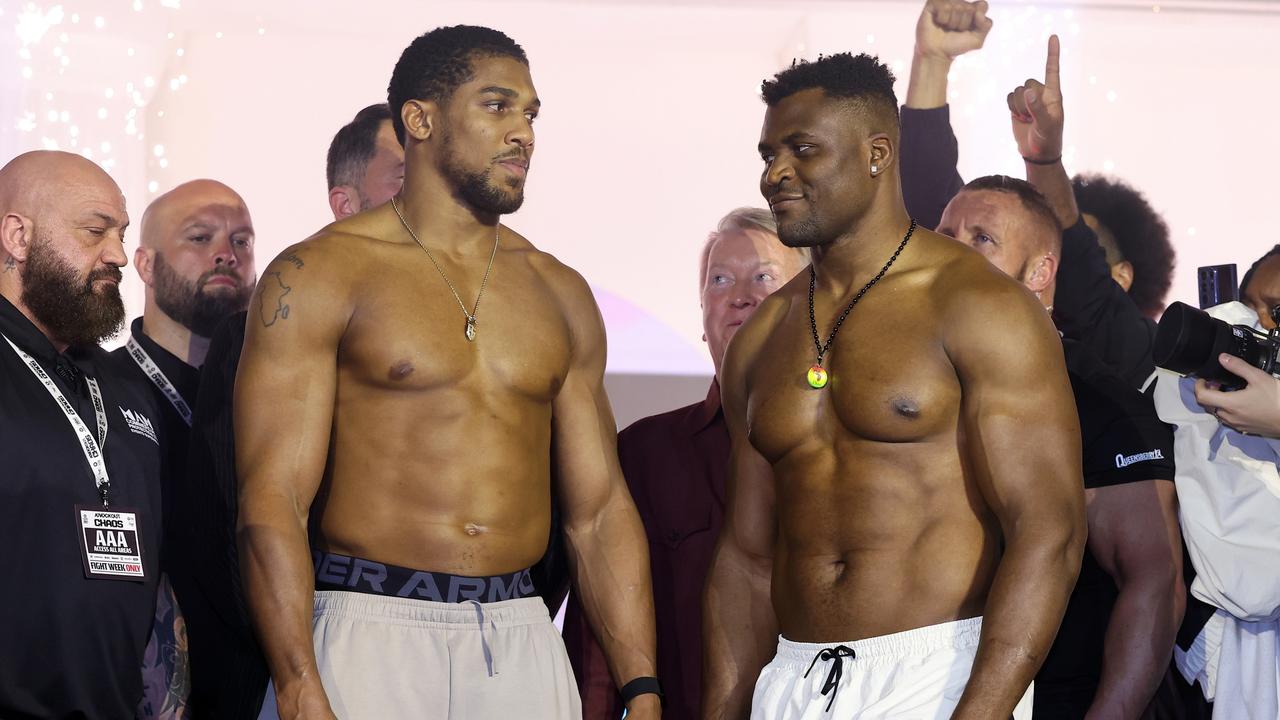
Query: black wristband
(1034, 161)
(640, 686)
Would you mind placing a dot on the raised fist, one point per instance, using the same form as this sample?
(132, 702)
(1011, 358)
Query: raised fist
(951, 28)
(1036, 110)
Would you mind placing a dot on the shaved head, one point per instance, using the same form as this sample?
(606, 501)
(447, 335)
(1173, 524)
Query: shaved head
(196, 255)
(62, 222)
(183, 200)
(33, 180)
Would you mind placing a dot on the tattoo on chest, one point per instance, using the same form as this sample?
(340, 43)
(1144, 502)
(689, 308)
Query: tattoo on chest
(272, 303)
(10, 264)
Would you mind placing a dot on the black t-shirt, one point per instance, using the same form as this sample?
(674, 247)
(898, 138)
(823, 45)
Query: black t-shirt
(71, 647)
(1122, 441)
(186, 379)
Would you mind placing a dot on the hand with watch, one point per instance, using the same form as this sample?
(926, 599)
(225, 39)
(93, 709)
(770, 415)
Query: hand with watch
(643, 697)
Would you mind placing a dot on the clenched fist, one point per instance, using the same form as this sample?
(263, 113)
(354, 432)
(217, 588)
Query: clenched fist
(951, 28)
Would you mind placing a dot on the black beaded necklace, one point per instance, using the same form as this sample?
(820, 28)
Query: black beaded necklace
(817, 375)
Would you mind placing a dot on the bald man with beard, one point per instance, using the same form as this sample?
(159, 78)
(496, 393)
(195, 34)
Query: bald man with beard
(196, 258)
(78, 442)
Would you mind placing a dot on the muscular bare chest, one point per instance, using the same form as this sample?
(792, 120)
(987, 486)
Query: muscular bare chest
(408, 333)
(889, 381)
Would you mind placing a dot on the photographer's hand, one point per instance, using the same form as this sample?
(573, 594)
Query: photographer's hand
(1254, 410)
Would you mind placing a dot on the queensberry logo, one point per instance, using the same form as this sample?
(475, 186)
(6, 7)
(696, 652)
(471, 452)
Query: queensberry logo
(1127, 460)
(139, 424)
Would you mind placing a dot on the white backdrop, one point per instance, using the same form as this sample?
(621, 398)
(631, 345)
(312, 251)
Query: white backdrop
(650, 119)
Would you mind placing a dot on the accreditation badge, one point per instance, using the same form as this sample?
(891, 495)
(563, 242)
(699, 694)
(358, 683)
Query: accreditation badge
(110, 543)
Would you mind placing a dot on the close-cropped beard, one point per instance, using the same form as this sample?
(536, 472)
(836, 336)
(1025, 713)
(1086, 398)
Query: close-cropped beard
(188, 303)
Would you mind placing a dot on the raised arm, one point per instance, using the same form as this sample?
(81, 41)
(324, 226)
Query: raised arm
(1037, 115)
(1134, 535)
(946, 29)
(1022, 441)
(739, 626)
(608, 552)
(1089, 305)
(284, 397)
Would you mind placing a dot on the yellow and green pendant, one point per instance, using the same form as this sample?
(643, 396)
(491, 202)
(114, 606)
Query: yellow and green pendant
(817, 377)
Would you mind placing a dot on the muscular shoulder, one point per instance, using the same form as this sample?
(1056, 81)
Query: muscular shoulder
(314, 277)
(747, 342)
(977, 303)
(569, 287)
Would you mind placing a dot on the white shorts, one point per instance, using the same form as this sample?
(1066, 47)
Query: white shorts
(386, 657)
(913, 675)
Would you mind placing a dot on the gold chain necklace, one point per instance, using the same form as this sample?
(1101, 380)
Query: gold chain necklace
(471, 316)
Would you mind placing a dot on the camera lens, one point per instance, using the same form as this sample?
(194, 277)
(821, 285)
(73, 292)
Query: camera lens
(1188, 341)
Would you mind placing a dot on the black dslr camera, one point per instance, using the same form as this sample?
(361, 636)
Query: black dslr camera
(1188, 341)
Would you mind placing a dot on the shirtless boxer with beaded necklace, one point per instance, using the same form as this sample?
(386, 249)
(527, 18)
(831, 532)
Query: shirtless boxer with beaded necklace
(905, 498)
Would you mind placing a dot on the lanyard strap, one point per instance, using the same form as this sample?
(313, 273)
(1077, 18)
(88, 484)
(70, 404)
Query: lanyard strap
(89, 445)
(153, 371)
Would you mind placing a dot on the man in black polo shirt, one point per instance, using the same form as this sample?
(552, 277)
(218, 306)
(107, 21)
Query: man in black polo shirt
(1116, 637)
(79, 451)
(196, 258)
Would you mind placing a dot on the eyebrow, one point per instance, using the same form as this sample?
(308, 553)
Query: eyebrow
(508, 93)
(107, 220)
(797, 135)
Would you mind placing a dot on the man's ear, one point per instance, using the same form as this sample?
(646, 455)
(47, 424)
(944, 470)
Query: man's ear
(419, 119)
(144, 260)
(1042, 275)
(1122, 273)
(882, 153)
(344, 201)
(17, 233)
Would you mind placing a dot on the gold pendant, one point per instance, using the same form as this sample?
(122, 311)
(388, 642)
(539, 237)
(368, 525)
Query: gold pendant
(471, 329)
(817, 377)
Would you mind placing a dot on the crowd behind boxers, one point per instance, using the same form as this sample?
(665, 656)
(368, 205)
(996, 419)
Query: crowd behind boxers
(173, 635)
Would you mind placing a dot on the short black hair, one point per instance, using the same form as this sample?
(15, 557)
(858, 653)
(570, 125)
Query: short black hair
(1031, 199)
(353, 146)
(437, 62)
(1142, 236)
(1244, 283)
(843, 75)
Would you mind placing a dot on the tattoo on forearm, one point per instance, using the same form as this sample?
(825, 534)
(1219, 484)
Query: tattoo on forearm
(165, 670)
(272, 295)
(10, 264)
(292, 257)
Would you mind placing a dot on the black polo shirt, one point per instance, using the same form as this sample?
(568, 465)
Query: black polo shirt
(71, 647)
(1123, 441)
(186, 379)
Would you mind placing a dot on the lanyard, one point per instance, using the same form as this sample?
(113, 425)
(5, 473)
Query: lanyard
(153, 371)
(89, 445)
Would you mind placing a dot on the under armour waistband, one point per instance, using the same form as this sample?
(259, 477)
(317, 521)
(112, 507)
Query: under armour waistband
(342, 572)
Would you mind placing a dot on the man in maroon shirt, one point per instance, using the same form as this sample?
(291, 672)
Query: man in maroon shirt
(675, 465)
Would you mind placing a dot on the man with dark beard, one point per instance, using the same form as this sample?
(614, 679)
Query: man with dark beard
(79, 442)
(196, 258)
(414, 448)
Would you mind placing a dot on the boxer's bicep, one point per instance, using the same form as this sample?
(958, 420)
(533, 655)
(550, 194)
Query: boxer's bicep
(285, 382)
(1020, 430)
(584, 434)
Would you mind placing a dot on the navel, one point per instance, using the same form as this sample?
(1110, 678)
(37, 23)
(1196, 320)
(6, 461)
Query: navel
(400, 370)
(474, 529)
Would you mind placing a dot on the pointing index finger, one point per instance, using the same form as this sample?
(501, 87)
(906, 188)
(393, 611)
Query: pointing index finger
(1051, 80)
